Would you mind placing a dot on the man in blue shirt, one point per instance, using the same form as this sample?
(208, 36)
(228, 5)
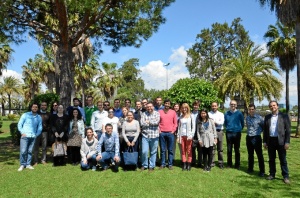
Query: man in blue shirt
(30, 126)
(118, 111)
(234, 123)
(111, 144)
(253, 140)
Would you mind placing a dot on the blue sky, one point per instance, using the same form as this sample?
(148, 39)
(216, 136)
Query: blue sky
(185, 19)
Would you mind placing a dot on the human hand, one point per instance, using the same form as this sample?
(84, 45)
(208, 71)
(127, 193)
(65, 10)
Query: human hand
(84, 161)
(99, 157)
(132, 143)
(116, 159)
(23, 135)
(201, 143)
(265, 146)
(56, 134)
(216, 141)
(286, 146)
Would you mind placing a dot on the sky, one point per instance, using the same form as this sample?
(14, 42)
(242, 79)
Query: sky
(184, 20)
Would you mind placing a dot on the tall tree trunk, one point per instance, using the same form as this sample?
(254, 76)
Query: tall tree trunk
(287, 91)
(65, 59)
(9, 103)
(3, 109)
(298, 74)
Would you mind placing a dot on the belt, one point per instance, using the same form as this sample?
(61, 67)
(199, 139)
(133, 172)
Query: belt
(218, 130)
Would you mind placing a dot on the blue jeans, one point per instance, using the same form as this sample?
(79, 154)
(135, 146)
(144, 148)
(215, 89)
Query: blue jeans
(108, 157)
(90, 162)
(26, 146)
(149, 144)
(166, 139)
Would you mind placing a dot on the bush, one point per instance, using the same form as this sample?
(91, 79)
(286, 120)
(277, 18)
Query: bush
(50, 98)
(11, 117)
(15, 134)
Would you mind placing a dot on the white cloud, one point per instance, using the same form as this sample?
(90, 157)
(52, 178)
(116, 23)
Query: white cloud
(7, 73)
(154, 73)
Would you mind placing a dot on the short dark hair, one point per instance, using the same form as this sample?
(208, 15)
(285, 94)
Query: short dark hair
(117, 99)
(76, 99)
(251, 105)
(196, 102)
(127, 99)
(167, 100)
(273, 101)
(108, 124)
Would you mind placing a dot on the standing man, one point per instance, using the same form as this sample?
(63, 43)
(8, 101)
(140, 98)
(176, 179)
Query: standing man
(76, 104)
(234, 123)
(218, 118)
(195, 117)
(43, 136)
(138, 111)
(117, 110)
(255, 125)
(158, 104)
(167, 127)
(97, 120)
(30, 126)
(277, 131)
(144, 103)
(149, 122)
(111, 144)
(128, 105)
(88, 110)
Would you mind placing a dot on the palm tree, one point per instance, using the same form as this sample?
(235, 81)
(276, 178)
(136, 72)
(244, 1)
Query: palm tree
(109, 80)
(9, 86)
(5, 53)
(288, 13)
(248, 75)
(3, 99)
(282, 45)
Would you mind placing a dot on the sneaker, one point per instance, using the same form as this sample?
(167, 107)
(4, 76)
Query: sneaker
(21, 168)
(270, 177)
(286, 181)
(170, 167)
(35, 164)
(261, 174)
(161, 167)
(29, 167)
(151, 169)
(94, 168)
(44, 163)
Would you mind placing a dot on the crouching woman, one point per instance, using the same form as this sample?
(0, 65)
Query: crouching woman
(88, 151)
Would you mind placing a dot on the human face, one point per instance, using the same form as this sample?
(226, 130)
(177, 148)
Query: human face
(203, 115)
(75, 113)
(44, 106)
(89, 101)
(150, 107)
(138, 105)
(145, 103)
(60, 109)
(127, 103)
(106, 106)
(124, 111)
(89, 133)
(76, 103)
(158, 101)
(54, 106)
(34, 108)
(233, 105)
(100, 106)
(184, 110)
(167, 105)
(110, 113)
(195, 107)
(214, 106)
(117, 103)
(108, 129)
(176, 107)
(251, 111)
(273, 107)
(129, 116)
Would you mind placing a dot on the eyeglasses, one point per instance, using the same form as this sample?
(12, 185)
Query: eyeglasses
(232, 104)
(110, 111)
(106, 105)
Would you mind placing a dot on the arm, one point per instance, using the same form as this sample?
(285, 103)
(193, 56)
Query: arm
(143, 120)
(136, 135)
(174, 122)
(287, 127)
(123, 132)
(242, 119)
(40, 126)
(154, 120)
(82, 152)
(198, 131)
(265, 132)
(21, 123)
(81, 130)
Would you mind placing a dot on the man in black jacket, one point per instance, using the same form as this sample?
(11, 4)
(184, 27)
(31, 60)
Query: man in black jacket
(277, 130)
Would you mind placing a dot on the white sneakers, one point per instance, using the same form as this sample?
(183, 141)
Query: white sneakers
(21, 168)
(28, 167)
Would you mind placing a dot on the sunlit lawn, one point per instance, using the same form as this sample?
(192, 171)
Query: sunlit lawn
(70, 181)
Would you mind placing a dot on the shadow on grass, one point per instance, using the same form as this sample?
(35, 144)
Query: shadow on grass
(9, 153)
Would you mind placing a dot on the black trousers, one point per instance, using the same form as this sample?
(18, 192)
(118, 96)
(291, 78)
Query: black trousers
(273, 146)
(199, 152)
(233, 141)
(207, 156)
(254, 143)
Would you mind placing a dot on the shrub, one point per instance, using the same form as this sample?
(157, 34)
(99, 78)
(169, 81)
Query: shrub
(15, 134)
(11, 117)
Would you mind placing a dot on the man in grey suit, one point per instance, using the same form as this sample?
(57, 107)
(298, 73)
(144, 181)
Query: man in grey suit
(277, 130)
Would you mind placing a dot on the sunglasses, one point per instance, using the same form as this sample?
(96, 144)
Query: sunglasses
(110, 112)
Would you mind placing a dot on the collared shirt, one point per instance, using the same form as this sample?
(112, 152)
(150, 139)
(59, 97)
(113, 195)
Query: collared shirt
(118, 112)
(156, 108)
(273, 126)
(97, 120)
(218, 118)
(151, 129)
(194, 116)
(254, 125)
(30, 124)
(110, 142)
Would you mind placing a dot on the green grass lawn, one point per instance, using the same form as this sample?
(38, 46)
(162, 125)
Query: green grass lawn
(70, 181)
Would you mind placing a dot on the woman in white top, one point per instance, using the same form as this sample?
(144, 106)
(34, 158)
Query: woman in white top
(185, 136)
(111, 119)
(88, 150)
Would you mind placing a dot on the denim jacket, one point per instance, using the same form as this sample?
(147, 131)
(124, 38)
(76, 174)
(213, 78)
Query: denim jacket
(111, 144)
(30, 124)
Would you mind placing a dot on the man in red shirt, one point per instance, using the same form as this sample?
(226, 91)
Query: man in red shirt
(167, 127)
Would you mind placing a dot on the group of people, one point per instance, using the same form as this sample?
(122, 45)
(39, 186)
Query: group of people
(99, 135)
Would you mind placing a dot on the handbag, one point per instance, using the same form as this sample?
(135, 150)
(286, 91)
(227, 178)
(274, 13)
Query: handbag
(59, 149)
(130, 158)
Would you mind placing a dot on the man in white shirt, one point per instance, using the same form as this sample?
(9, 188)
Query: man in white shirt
(218, 118)
(97, 120)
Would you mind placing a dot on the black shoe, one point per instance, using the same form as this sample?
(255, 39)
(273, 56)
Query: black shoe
(261, 174)
(188, 166)
(221, 166)
(250, 171)
(184, 166)
(238, 167)
(270, 177)
(208, 169)
(286, 181)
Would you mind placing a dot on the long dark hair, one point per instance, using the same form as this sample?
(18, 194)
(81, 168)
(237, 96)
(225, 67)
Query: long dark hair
(199, 115)
(79, 117)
